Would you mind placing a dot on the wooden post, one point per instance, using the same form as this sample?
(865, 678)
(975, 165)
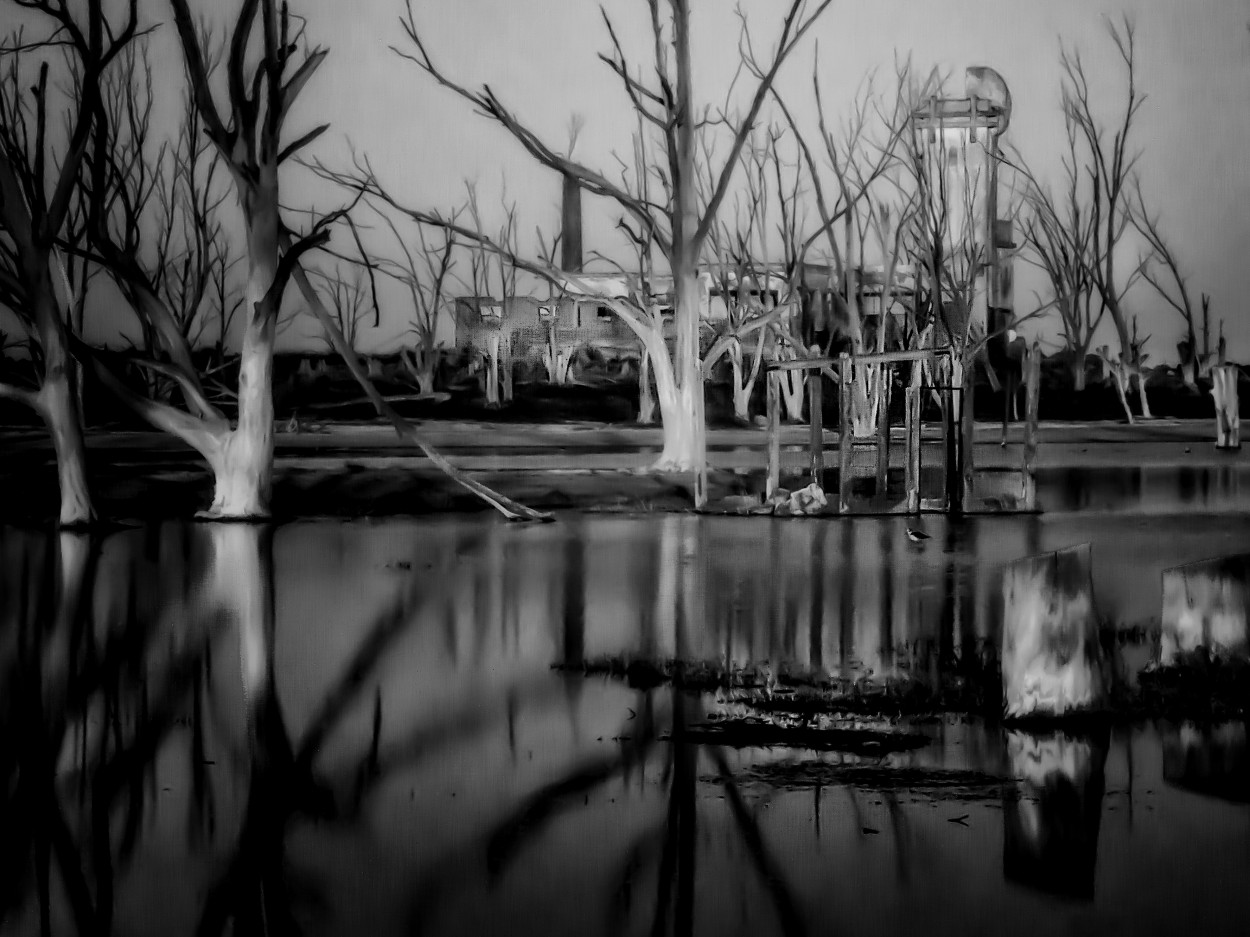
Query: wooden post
(1032, 390)
(950, 444)
(1227, 418)
(774, 433)
(912, 470)
(846, 438)
(885, 376)
(966, 428)
(816, 423)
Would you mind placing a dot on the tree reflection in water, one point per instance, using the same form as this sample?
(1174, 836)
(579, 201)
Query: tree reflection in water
(101, 670)
(666, 850)
(162, 720)
(80, 724)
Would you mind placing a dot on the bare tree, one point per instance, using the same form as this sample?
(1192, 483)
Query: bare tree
(861, 157)
(1058, 232)
(195, 276)
(1108, 167)
(426, 271)
(681, 223)
(493, 277)
(348, 301)
(756, 294)
(1173, 286)
(557, 355)
(249, 141)
(34, 216)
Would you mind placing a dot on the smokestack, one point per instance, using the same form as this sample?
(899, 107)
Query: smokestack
(571, 226)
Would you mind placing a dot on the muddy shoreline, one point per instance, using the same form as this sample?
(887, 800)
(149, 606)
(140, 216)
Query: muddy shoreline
(358, 470)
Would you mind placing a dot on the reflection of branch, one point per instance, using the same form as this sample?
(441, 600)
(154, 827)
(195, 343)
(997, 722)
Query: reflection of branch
(511, 835)
(388, 625)
(783, 900)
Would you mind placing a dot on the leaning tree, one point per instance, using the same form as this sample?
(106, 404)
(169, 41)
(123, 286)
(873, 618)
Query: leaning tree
(677, 219)
(38, 187)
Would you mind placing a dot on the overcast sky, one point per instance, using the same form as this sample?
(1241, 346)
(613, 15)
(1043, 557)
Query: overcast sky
(541, 57)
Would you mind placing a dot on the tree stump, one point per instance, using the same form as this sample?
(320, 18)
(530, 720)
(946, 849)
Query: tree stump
(1206, 605)
(1052, 813)
(1227, 419)
(1052, 661)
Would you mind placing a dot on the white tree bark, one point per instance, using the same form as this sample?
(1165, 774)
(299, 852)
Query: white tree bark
(646, 396)
(1227, 416)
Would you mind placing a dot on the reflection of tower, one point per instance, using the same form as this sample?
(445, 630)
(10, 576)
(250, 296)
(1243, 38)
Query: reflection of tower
(959, 138)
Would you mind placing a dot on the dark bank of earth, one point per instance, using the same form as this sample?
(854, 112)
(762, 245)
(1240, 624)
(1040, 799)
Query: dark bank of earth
(1198, 690)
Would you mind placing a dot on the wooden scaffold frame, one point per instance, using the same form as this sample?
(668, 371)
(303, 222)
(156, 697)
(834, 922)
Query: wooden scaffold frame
(956, 428)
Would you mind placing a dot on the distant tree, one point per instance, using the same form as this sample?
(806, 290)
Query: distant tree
(427, 272)
(1171, 284)
(34, 216)
(348, 301)
(1108, 168)
(1058, 233)
(493, 277)
(757, 294)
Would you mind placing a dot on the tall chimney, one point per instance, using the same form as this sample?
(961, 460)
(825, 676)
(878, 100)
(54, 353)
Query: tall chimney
(571, 226)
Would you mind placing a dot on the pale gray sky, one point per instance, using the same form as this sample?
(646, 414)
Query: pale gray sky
(541, 57)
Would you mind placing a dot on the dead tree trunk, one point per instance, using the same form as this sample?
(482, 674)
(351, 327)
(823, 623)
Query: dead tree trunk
(1227, 418)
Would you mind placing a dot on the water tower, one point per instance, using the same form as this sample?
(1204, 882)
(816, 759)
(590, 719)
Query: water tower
(960, 141)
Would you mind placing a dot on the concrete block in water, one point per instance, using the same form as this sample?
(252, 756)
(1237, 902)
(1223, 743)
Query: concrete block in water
(1052, 811)
(1206, 605)
(1052, 662)
(1210, 760)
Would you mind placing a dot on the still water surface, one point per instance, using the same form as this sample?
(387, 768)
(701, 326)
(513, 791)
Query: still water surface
(354, 727)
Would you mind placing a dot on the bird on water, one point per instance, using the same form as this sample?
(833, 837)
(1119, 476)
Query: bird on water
(916, 535)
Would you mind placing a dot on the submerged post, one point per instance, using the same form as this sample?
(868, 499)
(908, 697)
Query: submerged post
(950, 441)
(1032, 383)
(774, 433)
(912, 471)
(846, 437)
(966, 432)
(1227, 417)
(816, 422)
(883, 428)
